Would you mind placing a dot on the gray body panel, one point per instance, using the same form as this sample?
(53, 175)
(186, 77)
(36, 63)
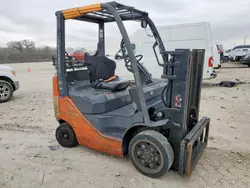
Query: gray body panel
(117, 122)
(95, 101)
(113, 113)
(100, 101)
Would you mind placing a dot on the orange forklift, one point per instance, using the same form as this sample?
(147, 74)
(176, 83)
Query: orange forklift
(153, 121)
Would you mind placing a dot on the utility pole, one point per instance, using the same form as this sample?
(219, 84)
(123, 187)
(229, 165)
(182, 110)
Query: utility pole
(245, 40)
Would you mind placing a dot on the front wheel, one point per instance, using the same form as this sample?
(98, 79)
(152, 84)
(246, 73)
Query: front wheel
(151, 153)
(65, 136)
(6, 91)
(237, 58)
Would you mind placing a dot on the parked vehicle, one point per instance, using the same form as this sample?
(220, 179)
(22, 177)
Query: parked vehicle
(216, 57)
(8, 83)
(238, 52)
(191, 36)
(78, 55)
(220, 51)
(226, 56)
(246, 60)
(70, 61)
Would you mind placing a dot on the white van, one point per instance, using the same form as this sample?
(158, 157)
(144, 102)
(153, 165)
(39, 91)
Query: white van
(181, 36)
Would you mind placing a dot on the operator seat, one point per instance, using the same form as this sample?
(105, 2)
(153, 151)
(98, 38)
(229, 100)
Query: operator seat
(102, 73)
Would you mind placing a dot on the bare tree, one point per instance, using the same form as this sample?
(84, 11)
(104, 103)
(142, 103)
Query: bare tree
(28, 44)
(25, 51)
(15, 45)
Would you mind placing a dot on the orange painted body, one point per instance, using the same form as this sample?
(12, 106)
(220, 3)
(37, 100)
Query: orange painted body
(86, 134)
(76, 12)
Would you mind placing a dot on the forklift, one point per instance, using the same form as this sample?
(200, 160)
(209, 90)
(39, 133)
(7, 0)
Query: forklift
(155, 122)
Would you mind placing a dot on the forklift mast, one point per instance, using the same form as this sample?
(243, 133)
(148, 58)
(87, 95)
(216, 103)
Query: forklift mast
(188, 135)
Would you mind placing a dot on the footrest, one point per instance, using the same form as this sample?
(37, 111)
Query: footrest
(192, 146)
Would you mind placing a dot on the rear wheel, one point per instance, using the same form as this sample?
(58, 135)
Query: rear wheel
(151, 153)
(65, 136)
(248, 65)
(226, 59)
(6, 91)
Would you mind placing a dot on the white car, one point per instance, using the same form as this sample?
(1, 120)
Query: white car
(226, 55)
(8, 83)
(238, 52)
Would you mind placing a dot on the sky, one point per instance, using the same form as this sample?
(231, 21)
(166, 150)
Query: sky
(35, 20)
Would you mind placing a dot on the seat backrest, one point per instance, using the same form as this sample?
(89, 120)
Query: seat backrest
(100, 67)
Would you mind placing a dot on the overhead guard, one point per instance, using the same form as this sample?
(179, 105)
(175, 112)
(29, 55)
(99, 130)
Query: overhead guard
(79, 11)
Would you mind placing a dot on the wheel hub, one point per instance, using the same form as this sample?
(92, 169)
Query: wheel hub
(147, 155)
(4, 91)
(65, 136)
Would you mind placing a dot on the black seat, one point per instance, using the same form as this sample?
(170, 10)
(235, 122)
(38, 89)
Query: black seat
(102, 73)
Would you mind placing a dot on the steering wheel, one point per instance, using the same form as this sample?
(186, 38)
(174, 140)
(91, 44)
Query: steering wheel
(126, 58)
(128, 64)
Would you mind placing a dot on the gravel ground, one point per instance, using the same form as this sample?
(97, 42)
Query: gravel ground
(27, 127)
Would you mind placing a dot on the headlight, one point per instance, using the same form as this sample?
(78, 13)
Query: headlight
(13, 72)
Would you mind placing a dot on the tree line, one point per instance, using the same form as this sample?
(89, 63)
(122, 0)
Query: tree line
(25, 51)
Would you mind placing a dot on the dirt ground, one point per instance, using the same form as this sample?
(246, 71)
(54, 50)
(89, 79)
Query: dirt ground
(27, 127)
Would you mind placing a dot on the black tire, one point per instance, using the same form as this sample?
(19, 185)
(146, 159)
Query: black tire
(237, 59)
(151, 144)
(248, 65)
(226, 59)
(6, 91)
(65, 136)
